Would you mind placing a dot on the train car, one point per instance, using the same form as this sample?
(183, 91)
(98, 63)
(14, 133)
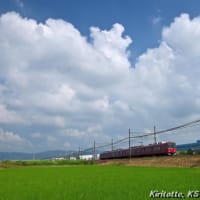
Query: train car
(162, 148)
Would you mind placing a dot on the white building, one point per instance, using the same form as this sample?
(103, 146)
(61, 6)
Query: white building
(89, 157)
(72, 158)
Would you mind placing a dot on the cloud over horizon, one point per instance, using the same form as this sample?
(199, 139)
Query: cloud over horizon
(60, 89)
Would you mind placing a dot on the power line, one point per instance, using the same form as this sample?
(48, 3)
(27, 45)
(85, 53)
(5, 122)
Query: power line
(143, 134)
(186, 125)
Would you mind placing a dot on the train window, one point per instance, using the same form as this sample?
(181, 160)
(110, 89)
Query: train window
(138, 150)
(156, 148)
(148, 149)
(171, 145)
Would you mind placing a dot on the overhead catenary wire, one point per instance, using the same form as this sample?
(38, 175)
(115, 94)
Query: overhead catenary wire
(142, 135)
(186, 125)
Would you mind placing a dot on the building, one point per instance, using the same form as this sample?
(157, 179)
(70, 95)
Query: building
(89, 157)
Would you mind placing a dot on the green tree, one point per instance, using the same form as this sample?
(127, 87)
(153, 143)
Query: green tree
(190, 152)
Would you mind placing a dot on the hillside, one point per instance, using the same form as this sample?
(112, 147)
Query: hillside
(165, 161)
(30, 156)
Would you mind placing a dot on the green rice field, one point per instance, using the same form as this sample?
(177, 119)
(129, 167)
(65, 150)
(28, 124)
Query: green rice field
(94, 182)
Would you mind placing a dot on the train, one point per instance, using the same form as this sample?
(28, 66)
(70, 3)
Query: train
(157, 149)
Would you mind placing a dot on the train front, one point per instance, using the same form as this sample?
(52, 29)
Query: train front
(171, 148)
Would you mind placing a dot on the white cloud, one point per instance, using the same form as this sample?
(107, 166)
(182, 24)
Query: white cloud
(36, 135)
(67, 145)
(88, 132)
(8, 140)
(56, 83)
(8, 116)
(72, 133)
(178, 36)
(9, 137)
(112, 45)
(51, 140)
(58, 99)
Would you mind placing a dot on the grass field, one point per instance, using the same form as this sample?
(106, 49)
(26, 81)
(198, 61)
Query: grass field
(21, 163)
(93, 182)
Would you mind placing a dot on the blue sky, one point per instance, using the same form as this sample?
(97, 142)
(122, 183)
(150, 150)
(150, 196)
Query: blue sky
(143, 20)
(72, 72)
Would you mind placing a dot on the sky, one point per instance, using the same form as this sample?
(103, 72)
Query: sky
(72, 72)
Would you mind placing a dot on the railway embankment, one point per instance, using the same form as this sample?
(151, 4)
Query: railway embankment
(158, 161)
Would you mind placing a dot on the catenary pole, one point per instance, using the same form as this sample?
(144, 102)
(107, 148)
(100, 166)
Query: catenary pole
(93, 151)
(129, 142)
(154, 134)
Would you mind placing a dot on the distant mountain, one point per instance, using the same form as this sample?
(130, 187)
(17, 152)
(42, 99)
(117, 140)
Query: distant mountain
(38, 156)
(30, 156)
(15, 156)
(50, 154)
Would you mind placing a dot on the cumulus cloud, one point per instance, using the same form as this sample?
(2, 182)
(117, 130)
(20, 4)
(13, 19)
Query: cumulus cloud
(68, 89)
(112, 45)
(67, 145)
(9, 139)
(90, 131)
(9, 116)
(36, 135)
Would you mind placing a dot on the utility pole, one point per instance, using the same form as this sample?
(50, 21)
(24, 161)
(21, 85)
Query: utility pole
(94, 152)
(154, 134)
(112, 147)
(129, 142)
(112, 144)
(33, 156)
(79, 152)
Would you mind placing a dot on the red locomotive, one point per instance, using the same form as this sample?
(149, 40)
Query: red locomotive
(162, 148)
